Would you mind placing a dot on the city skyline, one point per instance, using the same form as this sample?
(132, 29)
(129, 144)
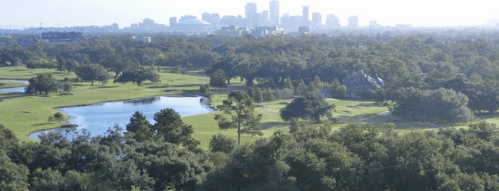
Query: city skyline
(59, 13)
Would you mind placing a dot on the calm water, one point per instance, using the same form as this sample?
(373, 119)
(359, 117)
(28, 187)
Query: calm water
(98, 118)
(18, 89)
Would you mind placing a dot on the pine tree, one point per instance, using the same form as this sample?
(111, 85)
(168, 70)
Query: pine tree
(288, 83)
(301, 88)
(258, 95)
(268, 95)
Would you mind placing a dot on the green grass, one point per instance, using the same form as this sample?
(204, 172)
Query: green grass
(25, 114)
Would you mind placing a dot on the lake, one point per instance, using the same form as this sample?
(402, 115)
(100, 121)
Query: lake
(18, 89)
(99, 117)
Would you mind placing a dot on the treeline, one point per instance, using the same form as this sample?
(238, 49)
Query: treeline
(357, 157)
(466, 63)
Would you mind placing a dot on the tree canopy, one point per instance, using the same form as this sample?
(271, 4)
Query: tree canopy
(312, 106)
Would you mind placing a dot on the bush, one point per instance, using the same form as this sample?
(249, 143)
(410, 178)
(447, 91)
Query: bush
(58, 116)
(51, 118)
(222, 143)
(204, 88)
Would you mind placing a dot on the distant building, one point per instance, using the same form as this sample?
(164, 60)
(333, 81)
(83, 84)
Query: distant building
(192, 25)
(27, 40)
(186, 17)
(60, 37)
(213, 19)
(305, 21)
(147, 23)
(317, 18)
(263, 19)
(291, 23)
(332, 22)
(266, 31)
(251, 15)
(353, 22)
(304, 29)
(274, 13)
(173, 21)
(232, 31)
(374, 26)
(146, 39)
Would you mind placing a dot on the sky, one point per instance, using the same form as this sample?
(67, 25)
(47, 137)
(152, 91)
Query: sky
(53, 13)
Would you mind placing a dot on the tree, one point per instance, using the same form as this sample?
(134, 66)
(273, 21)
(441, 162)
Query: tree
(288, 83)
(92, 73)
(312, 106)
(138, 76)
(268, 95)
(12, 176)
(258, 95)
(217, 79)
(61, 63)
(301, 88)
(170, 128)
(239, 106)
(337, 90)
(204, 88)
(439, 105)
(45, 83)
(222, 143)
(140, 127)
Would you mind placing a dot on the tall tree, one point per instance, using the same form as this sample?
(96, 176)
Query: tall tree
(170, 128)
(138, 76)
(288, 83)
(61, 63)
(217, 79)
(140, 127)
(239, 106)
(42, 83)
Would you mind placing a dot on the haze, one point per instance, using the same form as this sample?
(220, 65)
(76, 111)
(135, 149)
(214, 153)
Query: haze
(52, 13)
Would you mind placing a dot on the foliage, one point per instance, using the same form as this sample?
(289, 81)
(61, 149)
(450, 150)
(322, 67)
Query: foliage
(138, 76)
(170, 128)
(205, 88)
(217, 79)
(92, 73)
(239, 106)
(337, 90)
(439, 105)
(222, 143)
(312, 106)
(45, 83)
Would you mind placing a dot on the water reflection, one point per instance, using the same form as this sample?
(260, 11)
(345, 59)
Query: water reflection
(99, 117)
(144, 101)
(17, 89)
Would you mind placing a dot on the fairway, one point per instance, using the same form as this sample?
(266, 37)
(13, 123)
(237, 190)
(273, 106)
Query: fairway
(25, 114)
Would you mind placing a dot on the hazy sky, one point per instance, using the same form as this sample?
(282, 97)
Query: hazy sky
(30, 13)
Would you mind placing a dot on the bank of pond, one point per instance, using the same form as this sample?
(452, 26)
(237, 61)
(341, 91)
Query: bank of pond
(98, 118)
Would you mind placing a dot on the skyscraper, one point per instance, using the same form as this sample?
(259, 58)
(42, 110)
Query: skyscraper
(251, 16)
(173, 21)
(274, 13)
(305, 16)
(353, 22)
(332, 22)
(317, 19)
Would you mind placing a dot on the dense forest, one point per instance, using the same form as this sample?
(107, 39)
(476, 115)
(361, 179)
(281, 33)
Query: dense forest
(439, 77)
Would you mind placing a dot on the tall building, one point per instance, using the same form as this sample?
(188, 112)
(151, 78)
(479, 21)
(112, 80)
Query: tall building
(332, 22)
(263, 18)
(206, 17)
(250, 15)
(353, 22)
(317, 19)
(173, 21)
(305, 16)
(215, 18)
(274, 13)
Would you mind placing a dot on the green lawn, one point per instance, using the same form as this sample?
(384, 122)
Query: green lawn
(25, 114)
(5, 84)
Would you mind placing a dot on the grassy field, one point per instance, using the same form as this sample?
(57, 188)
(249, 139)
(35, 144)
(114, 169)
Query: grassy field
(5, 84)
(25, 114)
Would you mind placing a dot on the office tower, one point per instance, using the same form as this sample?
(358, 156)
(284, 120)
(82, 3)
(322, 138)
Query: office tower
(215, 18)
(263, 18)
(274, 13)
(206, 17)
(173, 21)
(317, 19)
(332, 22)
(353, 22)
(305, 16)
(251, 16)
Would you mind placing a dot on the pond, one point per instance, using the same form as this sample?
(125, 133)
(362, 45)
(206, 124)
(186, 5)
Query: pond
(17, 89)
(97, 118)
